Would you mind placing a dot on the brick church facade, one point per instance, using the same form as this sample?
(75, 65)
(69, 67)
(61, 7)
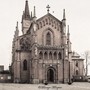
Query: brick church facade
(43, 52)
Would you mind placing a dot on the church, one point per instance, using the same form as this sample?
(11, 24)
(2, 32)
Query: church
(43, 52)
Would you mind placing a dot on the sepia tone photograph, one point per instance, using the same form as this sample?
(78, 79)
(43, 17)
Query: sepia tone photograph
(45, 45)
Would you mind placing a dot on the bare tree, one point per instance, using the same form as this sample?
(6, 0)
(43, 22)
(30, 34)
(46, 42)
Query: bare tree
(86, 56)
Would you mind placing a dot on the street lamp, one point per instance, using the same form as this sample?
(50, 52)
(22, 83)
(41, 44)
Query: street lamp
(63, 64)
(69, 82)
(69, 75)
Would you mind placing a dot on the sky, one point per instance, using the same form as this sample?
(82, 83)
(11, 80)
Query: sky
(77, 17)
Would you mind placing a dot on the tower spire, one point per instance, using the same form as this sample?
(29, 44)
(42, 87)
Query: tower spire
(27, 15)
(69, 43)
(17, 25)
(34, 12)
(64, 17)
(31, 14)
(64, 21)
(16, 31)
(68, 34)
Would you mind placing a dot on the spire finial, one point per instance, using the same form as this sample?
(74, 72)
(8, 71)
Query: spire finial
(48, 7)
(64, 14)
(34, 12)
(17, 30)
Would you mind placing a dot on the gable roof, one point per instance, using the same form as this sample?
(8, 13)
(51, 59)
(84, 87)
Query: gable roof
(47, 15)
(50, 15)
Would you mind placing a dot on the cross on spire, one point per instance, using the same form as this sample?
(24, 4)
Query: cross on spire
(48, 7)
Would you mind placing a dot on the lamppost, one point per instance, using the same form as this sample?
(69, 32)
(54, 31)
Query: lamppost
(69, 74)
(63, 63)
(69, 82)
(69, 51)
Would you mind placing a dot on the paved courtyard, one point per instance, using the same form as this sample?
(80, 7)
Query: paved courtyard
(74, 86)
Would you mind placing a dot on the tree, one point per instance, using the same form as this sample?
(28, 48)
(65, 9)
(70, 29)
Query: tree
(86, 57)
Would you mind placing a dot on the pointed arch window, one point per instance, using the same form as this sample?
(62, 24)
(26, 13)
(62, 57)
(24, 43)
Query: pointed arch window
(45, 55)
(50, 55)
(59, 55)
(76, 63)
(40, 55)
(48, 39)
(25, 65)
(55, 55)
(76, 72)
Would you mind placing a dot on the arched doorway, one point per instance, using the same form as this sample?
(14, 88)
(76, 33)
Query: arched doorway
(51, 75)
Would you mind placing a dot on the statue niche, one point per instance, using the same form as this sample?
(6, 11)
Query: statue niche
(24, 43)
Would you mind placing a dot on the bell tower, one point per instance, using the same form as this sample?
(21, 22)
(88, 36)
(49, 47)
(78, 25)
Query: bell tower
(25, 19)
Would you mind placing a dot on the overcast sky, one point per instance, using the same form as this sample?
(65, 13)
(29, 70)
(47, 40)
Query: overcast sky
(77, 15)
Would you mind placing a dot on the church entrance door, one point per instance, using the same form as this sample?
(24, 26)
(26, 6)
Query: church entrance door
(51, 75)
